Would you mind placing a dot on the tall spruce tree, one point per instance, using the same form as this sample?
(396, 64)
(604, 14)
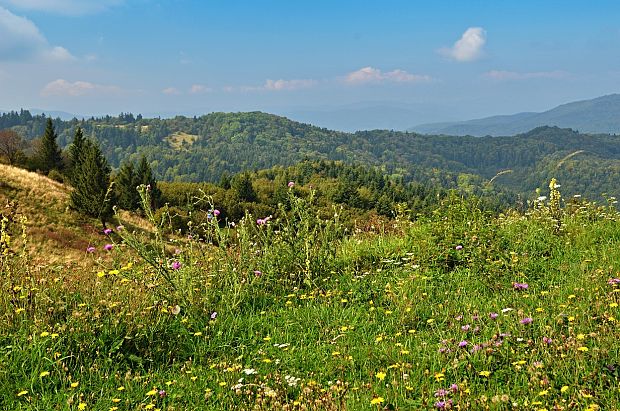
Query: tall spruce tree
(76, 153)
(92, 180)
(128, 179)
(144, 175)
(125, 185)
(49, 156)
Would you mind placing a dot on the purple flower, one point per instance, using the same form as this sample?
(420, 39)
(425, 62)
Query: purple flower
(162, 393)
(547, 340)
(441, 393)
(176, 265)
(213, 315)
(454, 388)
(466, 327)
(520, 286)
(291, 184)
(458, 247)
(476, 348)
(440, 405)
(119, 228)
(458, 317)
(216, 212)
(107, 231)
(90, 249)
(108, 247)
(613, 281)
(257, 273)
(463, 344)
(260, 221)
(493, 315)
(526, 320)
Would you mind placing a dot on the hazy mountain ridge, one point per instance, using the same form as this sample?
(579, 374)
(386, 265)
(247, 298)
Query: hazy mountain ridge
(598, 115)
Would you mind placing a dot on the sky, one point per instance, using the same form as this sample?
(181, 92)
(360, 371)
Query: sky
(415, 61)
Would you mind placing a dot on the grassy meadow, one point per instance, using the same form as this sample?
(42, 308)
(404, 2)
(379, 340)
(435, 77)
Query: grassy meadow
(459, 310)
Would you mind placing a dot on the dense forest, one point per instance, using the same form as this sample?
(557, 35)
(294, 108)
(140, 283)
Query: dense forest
(202, 149)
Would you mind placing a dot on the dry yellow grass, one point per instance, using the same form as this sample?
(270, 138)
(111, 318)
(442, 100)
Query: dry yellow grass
(181, 140)
(56, 234)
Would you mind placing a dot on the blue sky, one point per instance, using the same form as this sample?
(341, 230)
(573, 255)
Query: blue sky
(439, 60)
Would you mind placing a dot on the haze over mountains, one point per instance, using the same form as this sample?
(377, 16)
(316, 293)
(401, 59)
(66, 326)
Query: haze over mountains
(598, 115)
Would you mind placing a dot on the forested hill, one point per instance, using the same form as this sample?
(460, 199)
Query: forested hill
(598, 115)
(202, 148)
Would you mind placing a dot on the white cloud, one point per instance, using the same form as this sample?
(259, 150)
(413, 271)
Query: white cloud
(277, 85)
(171, 91)
(503, 75)
(63, 87)
(71, 7)
(199, 89)
(20, 39)
(374, 75)
(469, 47)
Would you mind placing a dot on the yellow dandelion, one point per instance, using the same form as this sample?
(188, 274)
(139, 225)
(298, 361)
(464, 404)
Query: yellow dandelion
(44, 374)
(484, 373)
(222, 384)
(116, 400)
(581, 336)
(564, 389)
(44, 334)
(583, 349)
(376, 401)
(82, 406)
(75, 384)
(23, 392)
(121, 388)
(381, 375)
(152, 392)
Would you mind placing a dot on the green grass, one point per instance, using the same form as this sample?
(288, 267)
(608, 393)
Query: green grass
(334, 320)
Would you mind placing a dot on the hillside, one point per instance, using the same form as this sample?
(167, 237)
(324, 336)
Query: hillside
(56, 234)
(203, 148)
(599, 115)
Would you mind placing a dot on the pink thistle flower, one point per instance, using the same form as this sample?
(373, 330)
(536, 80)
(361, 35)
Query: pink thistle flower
(90, 249)
(108, 247)
(291, 184)
(526, 320)
(176, 265)
(493, 315)
(216, 212)
(107, 231)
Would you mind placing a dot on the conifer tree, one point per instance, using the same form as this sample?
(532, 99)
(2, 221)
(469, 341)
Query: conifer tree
(125, 184)
(76, 152)
(92, 180)
(144, 175)
(49, 156)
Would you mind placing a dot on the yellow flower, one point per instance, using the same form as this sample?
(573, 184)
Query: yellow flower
(583, 349)
(564, 389)
(222, 384)
(152, 392)
(44, 374)
(82, 406)
(23, 392)
(116, 400)
(44, 334)
(381, 375)
(581, 336)
(75, 384)
(121, 388)
(485, 373)
(376, 400)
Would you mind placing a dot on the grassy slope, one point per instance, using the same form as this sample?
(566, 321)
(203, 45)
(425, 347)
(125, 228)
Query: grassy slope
(376, 321)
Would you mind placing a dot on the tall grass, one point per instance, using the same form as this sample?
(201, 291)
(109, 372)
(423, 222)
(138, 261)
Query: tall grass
(460, 310)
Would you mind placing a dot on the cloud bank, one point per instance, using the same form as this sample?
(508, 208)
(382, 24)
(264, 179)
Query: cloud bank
(469, 47)
(369, 74)
(64, 88)
(20, 39)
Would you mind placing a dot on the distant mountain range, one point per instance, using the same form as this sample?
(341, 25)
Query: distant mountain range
(599, 115)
